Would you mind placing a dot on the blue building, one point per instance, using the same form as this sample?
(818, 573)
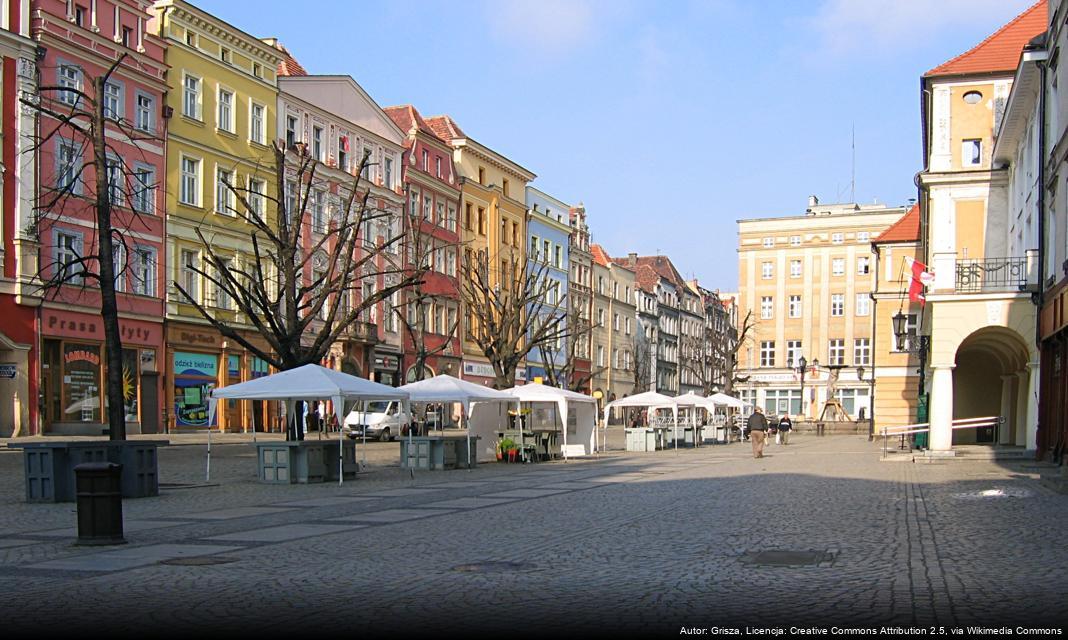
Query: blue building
(548, 236)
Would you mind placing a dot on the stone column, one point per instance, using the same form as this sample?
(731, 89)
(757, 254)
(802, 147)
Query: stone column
(1005, 432)
(1020, 428)
(1031, 438)
(941, 410)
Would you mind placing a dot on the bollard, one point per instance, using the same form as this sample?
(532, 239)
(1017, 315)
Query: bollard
(99, 495)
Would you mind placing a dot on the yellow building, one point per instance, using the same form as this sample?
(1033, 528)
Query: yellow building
(221, 111)
(980, 238)
(493, 215)
(897, 381)
(807, 282)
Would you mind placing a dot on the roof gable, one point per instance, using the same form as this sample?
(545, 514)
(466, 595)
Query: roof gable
(906, 229)
(1001, 50)
(345, 98)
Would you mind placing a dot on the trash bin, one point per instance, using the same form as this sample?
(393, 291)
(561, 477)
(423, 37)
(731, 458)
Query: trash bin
(99, 494)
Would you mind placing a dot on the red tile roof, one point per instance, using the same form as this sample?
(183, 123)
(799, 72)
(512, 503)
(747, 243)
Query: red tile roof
(445, 128)
(600, 256)
(289, 65)
(1001, 51)
(405, 115)
(663, 268)
(906, 229)
(646, 278)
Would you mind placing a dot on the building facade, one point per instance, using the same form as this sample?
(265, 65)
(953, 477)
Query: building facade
(615, 328)
(807, 281)
(548, 250)
(432, 313)
(80, 43)
(580, 301)
(220, 112)
(979, 312)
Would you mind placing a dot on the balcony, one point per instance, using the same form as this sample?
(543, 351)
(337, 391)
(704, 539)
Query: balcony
(360, 331)
(989, 275)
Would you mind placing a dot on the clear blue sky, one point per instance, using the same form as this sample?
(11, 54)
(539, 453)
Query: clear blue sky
(670, 119)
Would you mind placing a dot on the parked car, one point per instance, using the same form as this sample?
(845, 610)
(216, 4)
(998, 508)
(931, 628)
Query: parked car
(382, 421)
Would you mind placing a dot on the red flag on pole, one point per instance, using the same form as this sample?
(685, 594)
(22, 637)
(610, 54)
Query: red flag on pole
(921, 279)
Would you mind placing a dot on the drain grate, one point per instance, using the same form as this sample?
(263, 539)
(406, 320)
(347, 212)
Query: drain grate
(494, 566)
(788, 558)
(198, 561)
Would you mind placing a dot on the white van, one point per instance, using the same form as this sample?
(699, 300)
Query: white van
(382, 421)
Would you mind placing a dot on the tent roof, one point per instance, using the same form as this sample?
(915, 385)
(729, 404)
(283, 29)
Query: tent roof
(536, 392)
(445, 388)
(691, 399)
(647, 399)
(310, 382)
(730, 401)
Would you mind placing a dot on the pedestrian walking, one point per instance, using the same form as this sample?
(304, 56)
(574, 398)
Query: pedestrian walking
(757, 426)
(785, 427)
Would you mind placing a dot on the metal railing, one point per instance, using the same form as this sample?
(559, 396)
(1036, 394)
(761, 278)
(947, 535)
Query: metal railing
(925, 427)
(991, 274)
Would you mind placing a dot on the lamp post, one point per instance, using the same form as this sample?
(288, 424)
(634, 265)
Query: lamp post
(801, 364)
(871, 401)
(920, 347)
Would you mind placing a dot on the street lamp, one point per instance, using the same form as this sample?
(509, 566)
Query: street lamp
(871, 401)
(801, 364)
(919, 346)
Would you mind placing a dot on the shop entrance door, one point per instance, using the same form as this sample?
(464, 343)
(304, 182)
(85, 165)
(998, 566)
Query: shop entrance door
(150, 402)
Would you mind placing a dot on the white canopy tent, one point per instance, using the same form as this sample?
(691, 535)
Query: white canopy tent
(445, 388)
(723, 399)
(694, 402)
(585, 410)
(647, 399)
(309, 383)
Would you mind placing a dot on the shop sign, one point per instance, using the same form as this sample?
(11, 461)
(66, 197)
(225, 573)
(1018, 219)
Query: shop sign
(485, 370)
(195, 364)
(7, 370)
(82, 355)
(386, 362)
(194, 338)
(81, 327)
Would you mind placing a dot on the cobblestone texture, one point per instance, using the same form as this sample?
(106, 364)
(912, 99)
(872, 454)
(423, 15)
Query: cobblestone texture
(625, 543)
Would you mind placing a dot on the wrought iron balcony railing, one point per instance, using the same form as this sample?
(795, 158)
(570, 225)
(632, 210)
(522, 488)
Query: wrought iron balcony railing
(991, 274)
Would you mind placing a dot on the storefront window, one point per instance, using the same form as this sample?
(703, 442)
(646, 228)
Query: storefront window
(780, 401)
(195, 375)
(81, 382)
(259, 367)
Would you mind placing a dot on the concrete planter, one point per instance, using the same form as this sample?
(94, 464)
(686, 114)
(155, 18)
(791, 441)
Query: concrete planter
(304, 461)
(48, 467)
(437, 452)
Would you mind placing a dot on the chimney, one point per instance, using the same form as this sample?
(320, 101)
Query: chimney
(632, 259)
(813, 201)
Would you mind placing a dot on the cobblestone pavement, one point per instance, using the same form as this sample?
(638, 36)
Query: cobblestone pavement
(819, 532)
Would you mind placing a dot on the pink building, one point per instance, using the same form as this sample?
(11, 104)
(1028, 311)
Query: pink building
(78, 41)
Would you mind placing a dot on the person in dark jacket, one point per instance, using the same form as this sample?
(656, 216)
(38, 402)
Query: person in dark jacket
(785, 427)
(757, 425)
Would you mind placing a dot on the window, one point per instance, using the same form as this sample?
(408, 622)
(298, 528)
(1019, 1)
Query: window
(318, 211)
(837, 238)
(769, 242)
(189, 190)
(863, 236)
(838, 267)
(70, 77)
(257, 70)
(291, 199)
(617, 358)
(795, 268)
(558, 257)
(778, 401)
(144, 185)
(291, 131)
(793, 353)
(795, 241)
(440, 219)
(191, 38)
(767, 353)
(515, 234)
(851, 398)
(191, 92)
(450, 262)
(863, 265)
(224, 55)
(971, 152)
(765, 307)
(863, 302)
(482, 221)
(504, 185)
(257, 192)
(450, 222)
(112, 100)
(615, 322)
(317, 143)
(467, 217)
(600, 317)
(910, 332)
(226, 110)
(68, 250)
(224, 199)
(836, 351)
(426, 161)
(546, 251)
(119, 265)
(600, 355)
(366, 173)
(387, 169)
(427, 214)
(222, 296)
(862, 351)
(144, 271)
(795, 306)
(68, 167)
(767, 270)
(79, 15)
(627, 325)
(837, 304)
(437, 167)
(145, 119)
(116, 181)
(256, 131)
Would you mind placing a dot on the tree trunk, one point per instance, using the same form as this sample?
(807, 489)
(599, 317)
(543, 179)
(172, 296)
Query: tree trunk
(109, 312)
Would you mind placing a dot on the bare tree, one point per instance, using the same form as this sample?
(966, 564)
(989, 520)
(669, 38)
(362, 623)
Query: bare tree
(561, 357)
(730, 353)
(301, 289)
(509, 311)
(643, 367)
(82, 129)
(412, 315)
